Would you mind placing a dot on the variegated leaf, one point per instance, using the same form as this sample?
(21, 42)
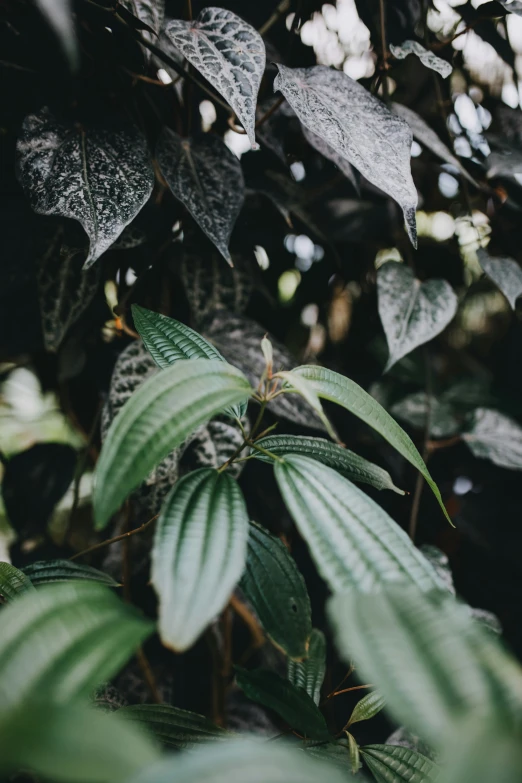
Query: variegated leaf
(495, 437)
(415, 409)
(98, 174)
(151, 12)
(207, 178)
(357, 126)
(412, 313)
(505, 273)
(426, 136)
(426, 57)
(513, 6)
(211, 446)
(322, 146)
(239, 340)
(65, 289)
(229, 53)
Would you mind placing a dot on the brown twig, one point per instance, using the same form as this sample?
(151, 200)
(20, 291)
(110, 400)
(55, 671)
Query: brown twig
(148, 675)
(384, 52)
(281, 9)
(115, 539)
(274, 107)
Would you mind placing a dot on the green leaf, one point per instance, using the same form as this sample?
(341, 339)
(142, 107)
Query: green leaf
(344, 461)
(336, 753)
(395, 764)
(336, 388)
(369, 706)
(199, 553)
(274, 586)
(352, 540)
(242, 760)
(306, 390)
(291, 703)
(13, 582)
(505, 273)
(495, 437)
(173, 727)
(427, 656)
(157, 418)
(169, 341)
(355, 758)
(71, 743)
(309, 674)
(44, 571)
(61, 641)
(482, 752)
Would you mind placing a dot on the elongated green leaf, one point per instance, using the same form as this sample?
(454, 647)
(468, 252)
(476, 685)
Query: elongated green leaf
(394, 764)
(168, 341)
(429, 659)
(61, 641)
(306, 390)
(367, 707)
(173, 727)
(336, 388)
(352, 540)
(242, 760)
(293, 704)
(157, 418)
(199, 553)
(482, 752)
(335, 753)
(309, 674)
(45, 571)
(276, 589)
(355, 756)
(71, 743)
(344, 461)
(13, 582)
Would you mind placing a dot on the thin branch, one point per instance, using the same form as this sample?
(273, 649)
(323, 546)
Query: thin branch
(384, 50)
(148, 675)
(274, 107)
(281, 9)
(115, 539)
(419, 484)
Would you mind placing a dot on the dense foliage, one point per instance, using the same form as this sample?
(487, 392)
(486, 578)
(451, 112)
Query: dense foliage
(259, 416)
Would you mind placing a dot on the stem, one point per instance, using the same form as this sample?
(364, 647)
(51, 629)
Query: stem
(281, 9)
(274, 107)
(419, 484)
(384, 48)
(434, 445)
(265, 452)
(148, 675)
(189, 10)
(115, 539)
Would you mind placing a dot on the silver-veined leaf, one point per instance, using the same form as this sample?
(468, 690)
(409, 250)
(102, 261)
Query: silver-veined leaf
(329, 152)
(505, 273)
(291, 703)
(369, 706)
(344, 461)
(60, 641)
(150, 12)
(309, 674)
(199, 554)
(100, 175)
(337, 388)
(275, 587)
(415, 408)
(59, 15)
(358, 126)
(243, 760)
(426, 57)
(393, 764)
(168, 341)
(229, 53)
(411, 312)
(157, 418)
(213, 444)
(352, 540)
(495, 437)
(207, 178)
(13, 582)
(45, 571)
(71, 743)
(173, 727)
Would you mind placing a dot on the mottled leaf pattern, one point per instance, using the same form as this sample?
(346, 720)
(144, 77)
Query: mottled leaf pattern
(505, 273)
(393, 764)
(496, 437)
(59, 16)
(357, 126)
(207, 178)
(414, 410)
(211, 445)
(229, 53)
(322, 146)
(426, 57)
(426, 136)
(309, 673)
(412, 313)
(100, 175)
(151, 12)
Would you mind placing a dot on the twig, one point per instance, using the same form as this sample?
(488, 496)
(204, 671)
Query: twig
(384, 53)
(189, 10)
(281, 9)
(115, 539)
(345, 690)
(250, 620)
(148, 675)
(419, 484)
(274, 107)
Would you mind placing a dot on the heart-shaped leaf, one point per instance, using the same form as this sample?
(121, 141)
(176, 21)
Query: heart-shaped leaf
(45, 571)
(157, 418)
(412, 313)
(357, 126)
(369, 706)
(293, 704)
(168, 341)
(344, 461)
(13, 582)
(309, 674)
(60, 641)
(426, 57)
(394, 764)
(98, 174)
(352, 540)
(207, 178)
(505, 273)
(343, 391)
(199, 553)
(276, 589)
(496, 437)
(173, 727)
(229, 53)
